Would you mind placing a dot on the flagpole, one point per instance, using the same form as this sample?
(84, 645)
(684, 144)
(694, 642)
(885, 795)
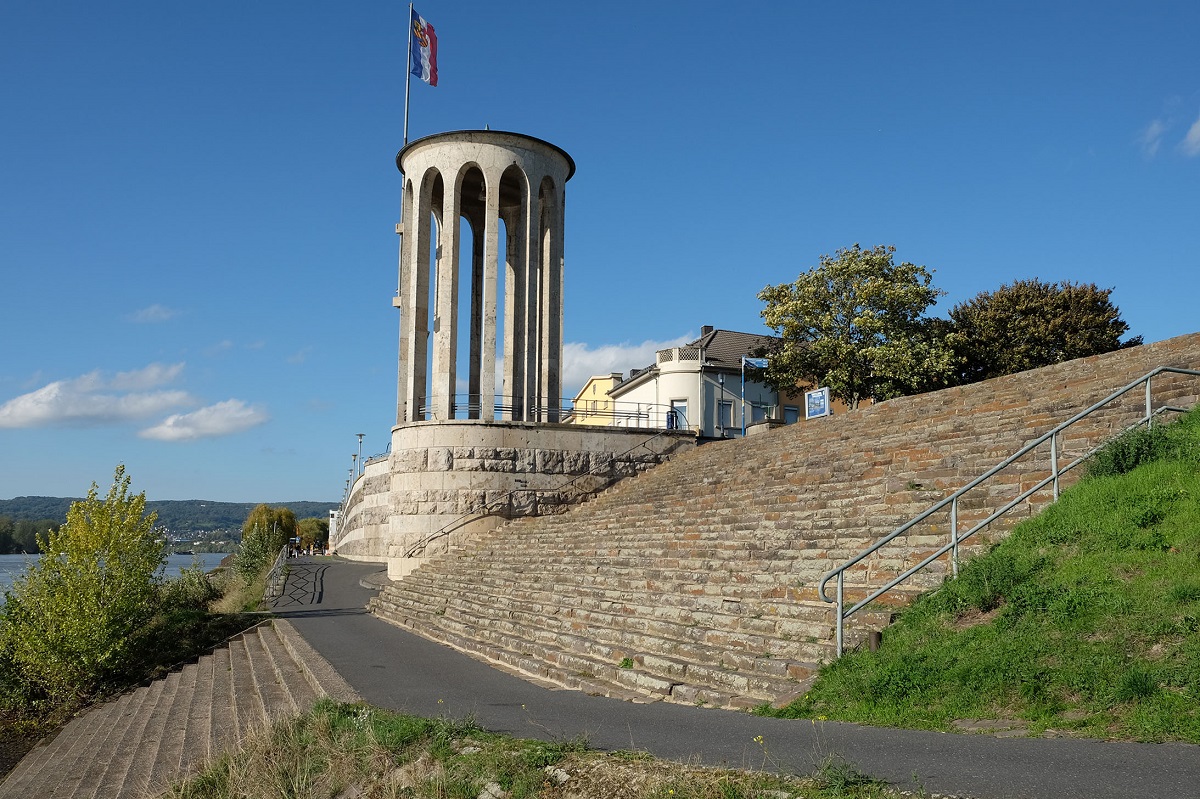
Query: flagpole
(408, 71)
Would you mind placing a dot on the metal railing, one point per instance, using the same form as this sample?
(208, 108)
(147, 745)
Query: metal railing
(505, 502)
(1056, 471)
(277, 576)
(609, 412)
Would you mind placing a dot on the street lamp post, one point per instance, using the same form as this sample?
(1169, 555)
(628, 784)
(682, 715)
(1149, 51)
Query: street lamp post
(360, 438)
(721, 404)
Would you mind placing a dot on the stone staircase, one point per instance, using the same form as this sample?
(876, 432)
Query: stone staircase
(696, 582)
(136, 745)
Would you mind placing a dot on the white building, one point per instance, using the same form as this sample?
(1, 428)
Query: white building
(699, 386)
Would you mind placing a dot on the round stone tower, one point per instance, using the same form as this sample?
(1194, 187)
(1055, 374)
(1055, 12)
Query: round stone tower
(481, 284)
(487, 178)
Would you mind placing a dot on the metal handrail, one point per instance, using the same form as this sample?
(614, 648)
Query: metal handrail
(1056, 472)
(617, 413)
(506, 499)
(277, 576)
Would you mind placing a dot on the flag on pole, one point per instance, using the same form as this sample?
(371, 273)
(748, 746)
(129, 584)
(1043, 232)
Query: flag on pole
(424, 50)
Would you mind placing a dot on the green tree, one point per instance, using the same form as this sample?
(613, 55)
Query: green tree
(314, 531)
(265, 532)
(28, 534)
(72, 620)
(855, 324)
(1029, 324)
(7, 543)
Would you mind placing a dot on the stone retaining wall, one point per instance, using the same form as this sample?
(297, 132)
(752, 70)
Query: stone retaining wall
(449, 481)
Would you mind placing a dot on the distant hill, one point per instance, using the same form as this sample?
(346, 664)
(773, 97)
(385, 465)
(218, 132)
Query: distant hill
(177, 515)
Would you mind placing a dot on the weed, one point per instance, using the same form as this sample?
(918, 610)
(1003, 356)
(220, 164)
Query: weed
(1137, 682)
(626, 663)
(840, 776)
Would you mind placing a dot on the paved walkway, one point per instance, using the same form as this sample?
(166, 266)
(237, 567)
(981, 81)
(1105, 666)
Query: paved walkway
(389, 667)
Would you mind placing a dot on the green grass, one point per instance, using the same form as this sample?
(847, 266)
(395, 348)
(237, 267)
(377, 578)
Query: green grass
(340, 750)
(1085, 620)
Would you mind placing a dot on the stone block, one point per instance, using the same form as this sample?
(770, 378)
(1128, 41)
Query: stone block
(441, 459)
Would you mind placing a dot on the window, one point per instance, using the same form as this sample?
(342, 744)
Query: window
(725, 414)
(677, 417)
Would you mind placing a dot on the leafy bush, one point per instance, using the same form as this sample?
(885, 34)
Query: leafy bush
(192, 589)
(264, 533)
(71, 621)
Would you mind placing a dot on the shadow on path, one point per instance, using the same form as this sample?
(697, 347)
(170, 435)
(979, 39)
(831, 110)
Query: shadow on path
(305, 585)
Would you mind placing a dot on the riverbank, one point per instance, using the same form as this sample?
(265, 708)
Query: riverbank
(12, 566)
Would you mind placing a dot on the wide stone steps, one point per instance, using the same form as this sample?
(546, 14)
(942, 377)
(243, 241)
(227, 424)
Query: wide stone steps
(135, 745)
(582, 662)
(697, 569)
(703, 653)
(622, 634)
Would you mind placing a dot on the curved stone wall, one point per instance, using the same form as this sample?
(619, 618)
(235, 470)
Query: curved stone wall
(447, 482)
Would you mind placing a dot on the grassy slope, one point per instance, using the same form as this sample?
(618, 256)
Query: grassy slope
(1085, 619)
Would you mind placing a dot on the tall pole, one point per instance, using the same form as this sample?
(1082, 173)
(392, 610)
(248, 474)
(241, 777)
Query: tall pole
(743, 396)
(360, 460)
(408, 71)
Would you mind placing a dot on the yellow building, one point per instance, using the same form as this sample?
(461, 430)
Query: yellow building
(593, 406)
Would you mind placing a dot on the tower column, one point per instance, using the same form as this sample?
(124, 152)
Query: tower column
(489, 289)
(445, 320)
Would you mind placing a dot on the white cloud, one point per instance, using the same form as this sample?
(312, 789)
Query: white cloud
(91, 399)
(221, 419)
(220, 347)
(581, 361)
(1191, 142)
(1151, 137)
(156, 374)
(300, 356)
(153, 313)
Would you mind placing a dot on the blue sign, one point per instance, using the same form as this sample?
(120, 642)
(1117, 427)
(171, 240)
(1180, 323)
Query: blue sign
(816, 403)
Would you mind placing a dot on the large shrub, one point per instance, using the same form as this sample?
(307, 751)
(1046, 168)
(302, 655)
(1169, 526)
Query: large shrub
(264, 533)
(71, 621)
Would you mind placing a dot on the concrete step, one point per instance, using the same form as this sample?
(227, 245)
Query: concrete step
(111, 775)
(248, 708)
(157, 737)
(137, 744)
(167, 762)
(223, 729)
(197, 736)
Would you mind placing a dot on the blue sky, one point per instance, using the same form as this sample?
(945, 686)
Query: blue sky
(197, 201)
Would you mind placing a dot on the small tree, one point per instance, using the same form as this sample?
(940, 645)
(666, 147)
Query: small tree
(1029, 324)
(264, 533)
(855, 324)
(71, 621)
(313, 531)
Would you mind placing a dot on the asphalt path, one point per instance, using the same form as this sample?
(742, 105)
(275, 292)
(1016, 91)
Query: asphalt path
(392, 668)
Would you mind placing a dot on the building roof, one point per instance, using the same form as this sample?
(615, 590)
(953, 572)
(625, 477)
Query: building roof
(725, 348)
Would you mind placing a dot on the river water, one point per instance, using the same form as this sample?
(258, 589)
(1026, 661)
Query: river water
(12, 566)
